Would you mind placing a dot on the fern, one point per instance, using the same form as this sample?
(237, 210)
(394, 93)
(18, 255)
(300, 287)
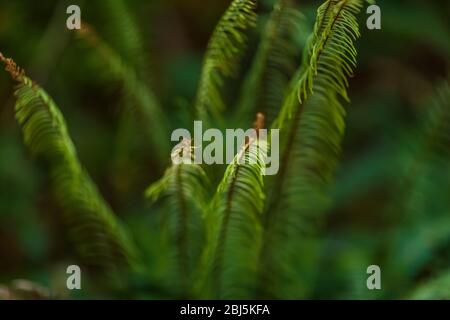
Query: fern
(419, 242)
(273, 64)
(234, 224)
(331, 44)
(224, 52)
(100, 239)
(311, 147)
(248, 236)
(183, 190)
(119, 28)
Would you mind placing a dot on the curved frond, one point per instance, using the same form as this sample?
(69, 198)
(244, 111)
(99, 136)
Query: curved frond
(100, 239)
(422, 202)
(330, 52)
(311, 142)
(222, 58)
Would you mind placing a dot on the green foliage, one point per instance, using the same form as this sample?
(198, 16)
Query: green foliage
(273, 65)
(248, 236)
(310, 151)
(183, 190)
(435, 289)
(140, 101)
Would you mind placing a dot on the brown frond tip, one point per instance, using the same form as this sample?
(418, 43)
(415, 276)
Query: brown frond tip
(14, 70)
(88, 32)
(258, 125)
(259, 121)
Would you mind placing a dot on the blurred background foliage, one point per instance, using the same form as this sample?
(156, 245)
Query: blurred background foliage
(399, 68)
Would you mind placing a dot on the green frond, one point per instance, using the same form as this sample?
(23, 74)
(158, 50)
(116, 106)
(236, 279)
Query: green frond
(273, 64)
(100, 239)
(182, 190)
(311, 144)
(234, 225)
(330, 52)
(222, 58)
(140, 99)
(428, 173)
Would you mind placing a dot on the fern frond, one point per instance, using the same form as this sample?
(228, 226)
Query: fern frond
(330, 52)
(234, 223)
(273, 64)
(100, 239)
(141, 99)
(311, 142)
(182, 190)
(222, 58)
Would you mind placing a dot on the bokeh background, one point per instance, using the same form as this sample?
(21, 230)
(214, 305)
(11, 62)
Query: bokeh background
(399, 68)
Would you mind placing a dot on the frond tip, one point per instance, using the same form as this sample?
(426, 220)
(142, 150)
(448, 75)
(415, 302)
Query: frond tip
(234, 225)
(12, 68)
